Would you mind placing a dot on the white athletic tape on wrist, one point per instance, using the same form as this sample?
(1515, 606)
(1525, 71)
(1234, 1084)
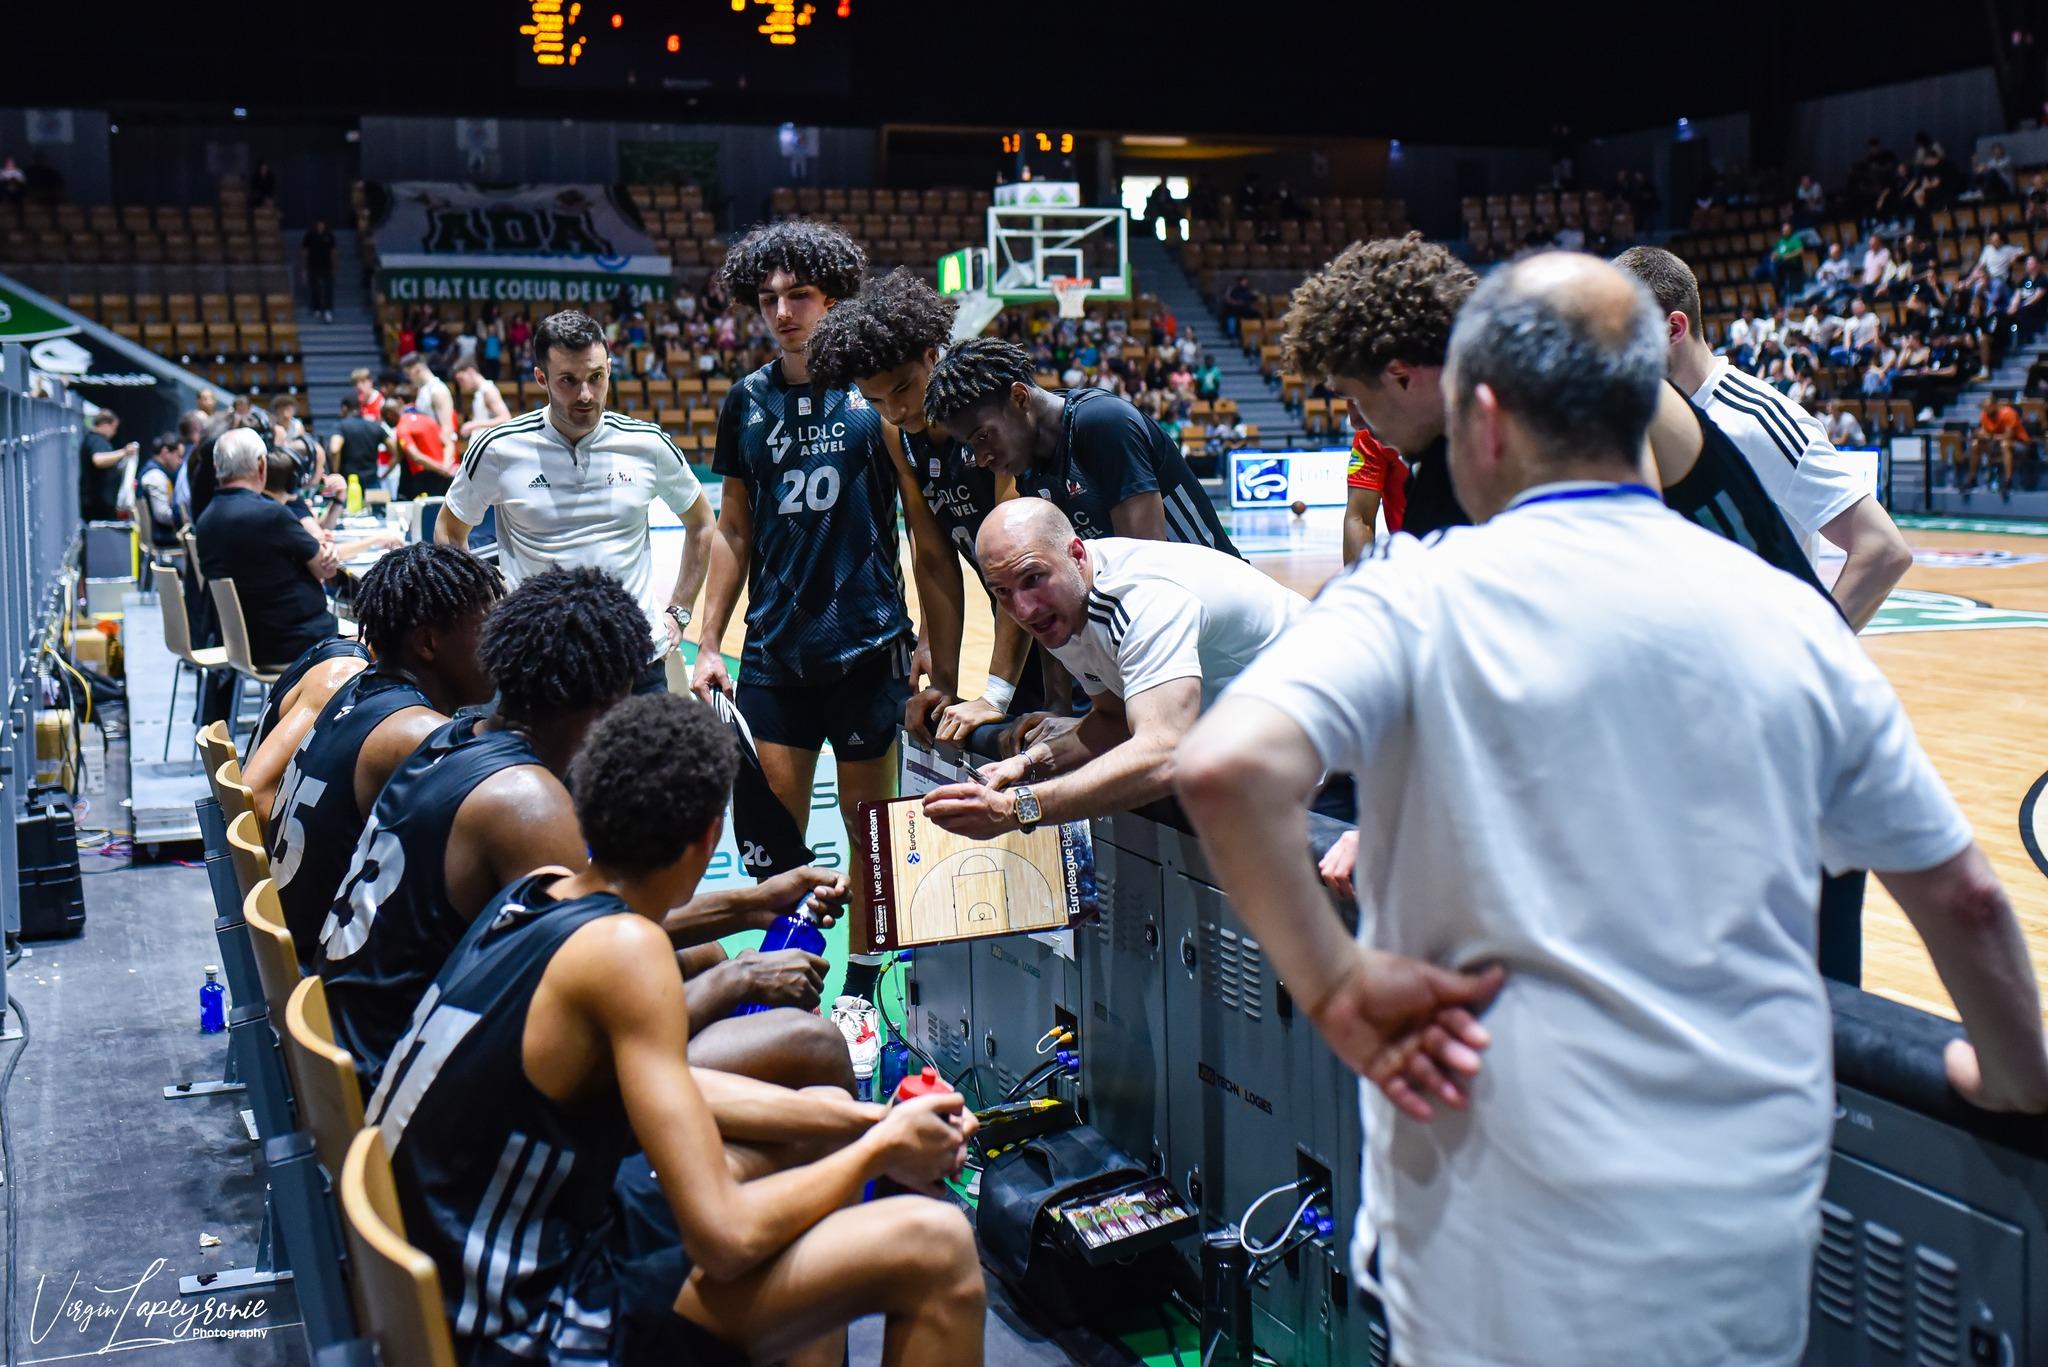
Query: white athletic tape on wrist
(998, 693)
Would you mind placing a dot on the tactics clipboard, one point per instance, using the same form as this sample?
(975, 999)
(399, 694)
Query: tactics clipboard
(927, 886)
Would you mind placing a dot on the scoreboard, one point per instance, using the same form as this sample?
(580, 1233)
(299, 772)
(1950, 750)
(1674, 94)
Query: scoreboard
(762, 46)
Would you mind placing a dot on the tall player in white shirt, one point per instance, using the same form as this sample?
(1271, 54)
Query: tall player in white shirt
(1154, 630)
(1814, 486)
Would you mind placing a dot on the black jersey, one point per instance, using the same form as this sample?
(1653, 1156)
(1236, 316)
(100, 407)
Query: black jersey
(391, 927)
(1432, 502)
(824, 589)
(314, 826)
(1723, 494)
(333, 648)
(1109, 452)
(959, 492)
(504, 1189)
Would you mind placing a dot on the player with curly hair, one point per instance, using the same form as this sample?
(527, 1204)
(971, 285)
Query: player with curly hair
(808, 525)
(420, 609)
(1374, 326)
(885, 342)
(649, 1226)
(1107, 466)
(482, 801)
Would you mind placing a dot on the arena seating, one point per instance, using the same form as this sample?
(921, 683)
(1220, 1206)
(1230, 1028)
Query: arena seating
(208, 286)
(898, 227)
(1498, 225)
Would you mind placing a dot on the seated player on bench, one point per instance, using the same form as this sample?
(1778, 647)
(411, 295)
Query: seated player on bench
(306, 685)
(884, 342)
(563, 1008)
(420, 609)
(1153, 631)
(481, 802)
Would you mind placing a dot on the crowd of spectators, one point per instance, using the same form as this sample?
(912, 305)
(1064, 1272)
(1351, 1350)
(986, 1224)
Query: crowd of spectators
(694, 334)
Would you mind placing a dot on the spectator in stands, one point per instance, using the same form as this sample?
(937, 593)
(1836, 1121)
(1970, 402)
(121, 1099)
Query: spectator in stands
(2029, 295)
(1999, 428)
(491, 352)
(486, 405)
(1877, 260)
(241, 406)
(277, 565)
(1813, 200)
(191, 427)
(316, 252)
(1877, 372)
(1994, 261)
(1831, 280)
(1844, 429)
(13, 182)
(99, 468)
(1240, 302)
(206, 401)
(1860, 333)
(1985, 185)
(157, 488)
(1998, 163)
(1209, 379)
(1190, 347)
(1788, 260)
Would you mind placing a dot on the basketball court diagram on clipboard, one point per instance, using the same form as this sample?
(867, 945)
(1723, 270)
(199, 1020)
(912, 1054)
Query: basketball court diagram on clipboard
(984, 891)
(929, 886)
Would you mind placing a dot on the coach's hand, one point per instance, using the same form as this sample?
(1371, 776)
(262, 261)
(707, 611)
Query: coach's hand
(710, 675)
(827, 889)
(970, 809)
(1020, 733)
(1338, 862)
(922, 710)
(1004, 772)
(1407, 1027)
(960, 721)
(783, 977)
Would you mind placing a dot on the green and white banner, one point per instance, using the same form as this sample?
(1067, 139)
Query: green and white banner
(440, 241)
(100, 366)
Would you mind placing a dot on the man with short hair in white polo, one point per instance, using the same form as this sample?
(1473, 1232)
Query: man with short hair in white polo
(1154, 630)
(1603, 755)
(573, 484)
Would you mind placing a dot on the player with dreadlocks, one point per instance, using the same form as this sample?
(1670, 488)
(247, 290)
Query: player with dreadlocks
(1104, 464)
(420, 609)
(884, 343)
(482, 802)
(808, 523)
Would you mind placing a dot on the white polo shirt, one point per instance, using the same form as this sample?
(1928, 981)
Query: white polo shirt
(1165, 610)
(580, 504)
(1805, 476)
(1611, 751)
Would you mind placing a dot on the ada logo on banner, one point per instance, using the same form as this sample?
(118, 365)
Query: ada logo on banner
(1919, 610)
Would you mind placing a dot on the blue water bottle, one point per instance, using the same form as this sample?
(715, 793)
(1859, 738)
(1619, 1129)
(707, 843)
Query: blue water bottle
(792, 930)
(213, 1003)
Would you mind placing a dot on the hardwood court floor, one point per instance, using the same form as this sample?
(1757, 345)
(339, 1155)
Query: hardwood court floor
(1966, 645)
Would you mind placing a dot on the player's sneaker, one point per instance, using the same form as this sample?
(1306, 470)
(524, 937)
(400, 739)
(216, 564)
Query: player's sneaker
(858, 1020)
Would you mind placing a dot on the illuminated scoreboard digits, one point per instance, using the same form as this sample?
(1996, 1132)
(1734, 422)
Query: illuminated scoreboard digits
(1014, 143)
(555, 35)
(547, 29)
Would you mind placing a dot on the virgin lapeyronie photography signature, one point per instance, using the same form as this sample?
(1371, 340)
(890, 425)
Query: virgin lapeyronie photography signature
(73, 1317)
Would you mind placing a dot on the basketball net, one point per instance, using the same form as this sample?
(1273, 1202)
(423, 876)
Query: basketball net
(1072, 293)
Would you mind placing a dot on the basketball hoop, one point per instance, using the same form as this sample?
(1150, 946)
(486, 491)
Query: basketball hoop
(1072, 293)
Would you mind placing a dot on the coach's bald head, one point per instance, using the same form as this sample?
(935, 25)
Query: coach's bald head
(1036, 568)
(1554, 371)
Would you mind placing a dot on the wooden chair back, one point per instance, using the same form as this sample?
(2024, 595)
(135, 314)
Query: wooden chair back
(245, 846)
(235, 796)
(234, 627)
(277, 962)
(397, 1287)
(217, 752)
(330, 1099)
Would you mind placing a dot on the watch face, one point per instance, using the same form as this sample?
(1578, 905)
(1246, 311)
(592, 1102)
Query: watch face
(1027, 806)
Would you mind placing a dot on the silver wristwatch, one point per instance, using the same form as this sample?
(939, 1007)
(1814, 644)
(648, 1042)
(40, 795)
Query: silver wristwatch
(1027, 808)
(681, 616)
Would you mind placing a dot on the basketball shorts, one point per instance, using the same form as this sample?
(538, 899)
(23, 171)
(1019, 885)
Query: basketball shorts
(858, 714)
(650, 1267)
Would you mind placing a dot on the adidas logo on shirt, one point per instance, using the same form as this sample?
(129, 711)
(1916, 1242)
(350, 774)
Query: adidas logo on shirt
(855, 739)
(539, 482)
(754, 418)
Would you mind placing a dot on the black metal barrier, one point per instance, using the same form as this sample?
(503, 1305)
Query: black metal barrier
(1194, 1062)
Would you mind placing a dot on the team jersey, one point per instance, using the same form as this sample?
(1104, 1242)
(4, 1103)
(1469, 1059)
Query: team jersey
(824, 588)
(1431, 504)
(1723, 494)
(1108, 453)
(333, 648)
(314, 826)
(1375, 465)
(1809, 480)
(504, 1189)
(390, 926)
(959, 492)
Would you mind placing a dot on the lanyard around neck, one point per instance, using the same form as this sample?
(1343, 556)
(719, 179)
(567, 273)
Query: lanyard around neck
(1578, 495)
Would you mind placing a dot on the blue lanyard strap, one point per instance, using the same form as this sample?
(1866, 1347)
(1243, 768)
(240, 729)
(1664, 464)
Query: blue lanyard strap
(1603, 491)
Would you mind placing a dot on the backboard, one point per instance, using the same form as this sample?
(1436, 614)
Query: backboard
(1030, 246)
